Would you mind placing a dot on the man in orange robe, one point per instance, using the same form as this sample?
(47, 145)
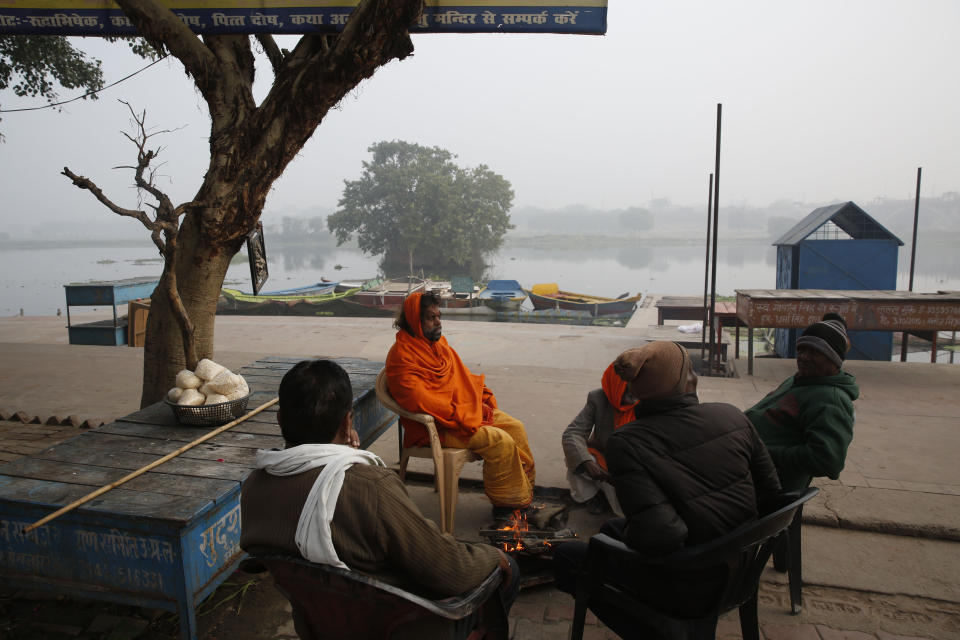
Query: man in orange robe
(425, 375)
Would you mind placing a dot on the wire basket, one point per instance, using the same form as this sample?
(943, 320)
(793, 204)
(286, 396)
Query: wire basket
(209, 414)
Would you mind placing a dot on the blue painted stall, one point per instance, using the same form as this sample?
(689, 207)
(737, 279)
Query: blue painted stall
(102, 294)
(838, 247)
(167, 538)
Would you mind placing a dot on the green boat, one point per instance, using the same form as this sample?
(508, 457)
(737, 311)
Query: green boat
(236, 302)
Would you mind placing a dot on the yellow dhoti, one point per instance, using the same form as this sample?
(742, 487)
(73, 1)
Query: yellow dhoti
(508, 470)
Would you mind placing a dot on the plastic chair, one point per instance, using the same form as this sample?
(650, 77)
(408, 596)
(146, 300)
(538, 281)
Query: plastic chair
(744, 552)
(447, 461)
(787, 558)
(329, 602)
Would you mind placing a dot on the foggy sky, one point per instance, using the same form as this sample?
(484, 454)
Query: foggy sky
(822, 100)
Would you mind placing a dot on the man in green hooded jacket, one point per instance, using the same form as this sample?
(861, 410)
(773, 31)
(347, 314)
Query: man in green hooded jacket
(807, 422)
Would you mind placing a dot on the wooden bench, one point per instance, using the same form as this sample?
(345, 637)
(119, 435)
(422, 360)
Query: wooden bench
(692, 308)
(868, 310)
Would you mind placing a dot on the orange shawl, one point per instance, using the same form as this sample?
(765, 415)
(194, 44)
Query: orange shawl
(429, 377)
(614, 387)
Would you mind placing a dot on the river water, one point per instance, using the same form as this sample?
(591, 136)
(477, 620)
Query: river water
(32, 279)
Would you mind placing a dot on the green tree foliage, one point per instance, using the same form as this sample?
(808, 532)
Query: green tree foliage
(37, 64)
(418, 209)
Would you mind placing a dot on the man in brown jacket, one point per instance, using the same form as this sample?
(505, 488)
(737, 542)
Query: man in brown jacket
(328, 502)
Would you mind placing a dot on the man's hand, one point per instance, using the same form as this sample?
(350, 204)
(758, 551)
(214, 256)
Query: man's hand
(595, 471)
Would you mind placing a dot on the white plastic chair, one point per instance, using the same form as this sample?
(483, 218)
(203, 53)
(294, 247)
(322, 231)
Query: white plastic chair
(447, 461)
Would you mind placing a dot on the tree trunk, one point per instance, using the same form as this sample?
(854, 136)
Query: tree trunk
(200, 273)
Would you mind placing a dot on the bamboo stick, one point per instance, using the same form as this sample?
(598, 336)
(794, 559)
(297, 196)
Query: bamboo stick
(156, 463)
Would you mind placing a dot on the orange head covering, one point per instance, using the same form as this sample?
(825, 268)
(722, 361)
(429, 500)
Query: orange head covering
(614, 387)
(411, 313)
(656, 369)
(424, 376)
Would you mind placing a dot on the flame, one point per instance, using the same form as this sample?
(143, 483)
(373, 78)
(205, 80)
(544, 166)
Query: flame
(519, 525)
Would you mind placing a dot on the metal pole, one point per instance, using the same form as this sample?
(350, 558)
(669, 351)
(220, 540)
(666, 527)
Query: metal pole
(716, 209)
(913, 256)
(706, 271)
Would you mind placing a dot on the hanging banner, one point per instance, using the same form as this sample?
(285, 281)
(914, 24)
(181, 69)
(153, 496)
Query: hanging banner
(104, 17)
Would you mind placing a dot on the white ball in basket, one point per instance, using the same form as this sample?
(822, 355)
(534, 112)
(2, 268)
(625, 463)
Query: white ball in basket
(242, 392)
(174, 394)
(191, 398)
(186, 379)
(215, 398)
(226, 383)
(208, 369)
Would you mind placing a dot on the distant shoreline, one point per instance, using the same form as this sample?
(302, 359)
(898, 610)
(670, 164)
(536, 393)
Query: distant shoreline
(525, 239)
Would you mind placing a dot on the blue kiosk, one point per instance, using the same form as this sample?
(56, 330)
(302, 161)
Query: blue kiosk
(100, 294)
(838, 247)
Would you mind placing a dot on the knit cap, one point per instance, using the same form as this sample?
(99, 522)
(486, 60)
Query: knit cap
(656, 369)
(829, 337)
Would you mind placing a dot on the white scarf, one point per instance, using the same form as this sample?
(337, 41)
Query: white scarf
(313, 535)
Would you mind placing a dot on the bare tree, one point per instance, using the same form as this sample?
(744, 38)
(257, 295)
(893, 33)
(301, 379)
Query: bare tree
(164, 226)
(250, 146)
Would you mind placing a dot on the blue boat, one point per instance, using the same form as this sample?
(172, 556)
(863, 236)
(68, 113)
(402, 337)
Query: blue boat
(502, 295)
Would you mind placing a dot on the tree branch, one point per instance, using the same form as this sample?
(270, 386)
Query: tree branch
(233, 52)
(272, 50)
(163, 30)
(165, 224)
(315, 77)
(144, 158)
(85, 183)
(172, 292)
(395, 14)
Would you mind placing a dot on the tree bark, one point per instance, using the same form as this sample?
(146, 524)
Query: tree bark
(250, 146)
(199, 276)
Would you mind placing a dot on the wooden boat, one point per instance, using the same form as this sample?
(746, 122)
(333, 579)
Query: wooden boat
(502, 295)
(317, 289)
(542, 316)
(362, 283)
(453, 296)
(389, 294)
(332, 303)
(550, 296)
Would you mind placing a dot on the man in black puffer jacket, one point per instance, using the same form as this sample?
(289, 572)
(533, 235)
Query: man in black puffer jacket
(684, 472)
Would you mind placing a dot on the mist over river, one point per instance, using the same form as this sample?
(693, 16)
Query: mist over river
(33, 275)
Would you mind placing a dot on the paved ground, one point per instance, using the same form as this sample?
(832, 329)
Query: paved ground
(881, 554)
